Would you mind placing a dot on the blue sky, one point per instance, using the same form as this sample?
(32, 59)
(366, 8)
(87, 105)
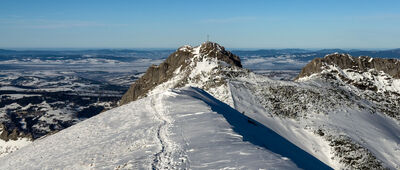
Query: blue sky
(172, 23)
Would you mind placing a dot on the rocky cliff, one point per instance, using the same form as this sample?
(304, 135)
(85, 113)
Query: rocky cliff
(180, 60)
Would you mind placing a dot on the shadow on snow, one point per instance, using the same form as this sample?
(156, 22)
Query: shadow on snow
(258, 134)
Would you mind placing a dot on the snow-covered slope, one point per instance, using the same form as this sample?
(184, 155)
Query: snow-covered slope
(336, 126)
(184, 128)
(347, 118)
(10, 146)
(341, 109)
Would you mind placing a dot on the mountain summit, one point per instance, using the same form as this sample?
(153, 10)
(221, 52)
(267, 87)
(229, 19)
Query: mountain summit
(190, 63)
(212, 49)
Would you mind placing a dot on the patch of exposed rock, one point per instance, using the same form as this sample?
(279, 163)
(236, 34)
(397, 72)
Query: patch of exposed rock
(216, 51)
(345, 61)
(14, 134)
(156, 75)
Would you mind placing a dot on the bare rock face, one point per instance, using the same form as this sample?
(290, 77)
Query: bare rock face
(14, 134)
(156, 75)
(212, 49)
(345, 61)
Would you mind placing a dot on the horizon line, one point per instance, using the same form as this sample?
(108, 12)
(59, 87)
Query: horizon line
(174, 48)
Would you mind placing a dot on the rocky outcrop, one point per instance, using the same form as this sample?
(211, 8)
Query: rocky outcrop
(212, 49)
(156, 75)
(345, 61)
(14, 134)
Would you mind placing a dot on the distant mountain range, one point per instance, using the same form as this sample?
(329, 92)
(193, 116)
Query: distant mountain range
(390, 53)
(271, 59)
(86, 51)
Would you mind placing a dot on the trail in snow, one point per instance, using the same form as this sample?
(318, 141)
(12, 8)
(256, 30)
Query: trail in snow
(157, 157)
(162, 159)
(170, 156)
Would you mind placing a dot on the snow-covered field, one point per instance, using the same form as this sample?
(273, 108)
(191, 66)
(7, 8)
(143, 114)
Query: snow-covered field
(184, 128)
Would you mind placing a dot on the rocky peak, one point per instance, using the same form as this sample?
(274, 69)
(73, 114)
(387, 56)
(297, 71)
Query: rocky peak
(346, 61)
(215, 50)
(181, 59)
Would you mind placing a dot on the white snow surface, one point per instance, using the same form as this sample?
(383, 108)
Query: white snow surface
(10, 146)
(184, 128)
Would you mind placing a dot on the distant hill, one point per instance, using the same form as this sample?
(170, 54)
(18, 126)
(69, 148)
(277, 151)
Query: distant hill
(265, 52)
(6, 51)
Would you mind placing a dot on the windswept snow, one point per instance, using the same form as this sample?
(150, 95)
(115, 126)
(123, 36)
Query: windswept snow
(184, 128)
(10, 146)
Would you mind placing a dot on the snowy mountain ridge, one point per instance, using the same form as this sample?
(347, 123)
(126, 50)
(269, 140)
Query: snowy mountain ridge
(346, 117)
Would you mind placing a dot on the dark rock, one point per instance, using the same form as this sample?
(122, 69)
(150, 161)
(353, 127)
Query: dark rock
(90, 111)
(216, 51)
(12, 134)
